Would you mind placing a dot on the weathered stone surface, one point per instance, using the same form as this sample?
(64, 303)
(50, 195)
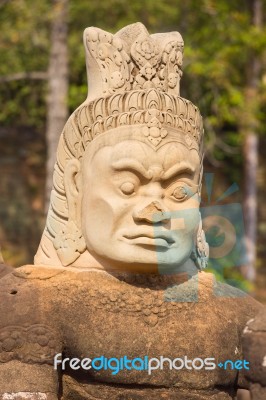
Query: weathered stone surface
(58, 310)
(74, 390)
(254, 347)
(24, 396)
(24, 381)
(257, 391)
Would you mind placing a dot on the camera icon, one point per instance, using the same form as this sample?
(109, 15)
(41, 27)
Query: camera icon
(224, 231)
(223, 225)
(225, 234)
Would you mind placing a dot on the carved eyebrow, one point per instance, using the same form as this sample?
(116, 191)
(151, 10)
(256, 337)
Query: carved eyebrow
(181, 168)
(126, 164)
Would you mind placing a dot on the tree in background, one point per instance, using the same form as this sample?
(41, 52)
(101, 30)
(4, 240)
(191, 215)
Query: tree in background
(250, 131)
(57, 109)
(227, 53)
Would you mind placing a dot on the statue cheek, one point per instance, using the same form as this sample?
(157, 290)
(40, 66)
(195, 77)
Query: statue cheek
(101, 217)
(185, 221)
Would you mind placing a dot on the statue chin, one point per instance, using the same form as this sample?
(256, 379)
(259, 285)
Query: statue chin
(93, 262)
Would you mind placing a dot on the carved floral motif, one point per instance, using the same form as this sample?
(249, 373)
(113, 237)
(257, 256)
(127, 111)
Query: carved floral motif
(156, 109)
(149, 305)
(111, 58)
(154, 130)
(142, 63)
(32, 344)
(69, 243)
(201, 252)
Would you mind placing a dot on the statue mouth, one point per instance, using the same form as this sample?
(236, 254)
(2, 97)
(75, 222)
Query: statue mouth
(146, 239)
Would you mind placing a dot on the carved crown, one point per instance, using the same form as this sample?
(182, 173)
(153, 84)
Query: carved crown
(155, 112)
(132, 59)
(134, 79)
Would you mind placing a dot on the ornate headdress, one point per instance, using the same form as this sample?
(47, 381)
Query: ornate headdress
(134, 81)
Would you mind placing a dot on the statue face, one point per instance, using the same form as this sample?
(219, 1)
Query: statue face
(140, 207)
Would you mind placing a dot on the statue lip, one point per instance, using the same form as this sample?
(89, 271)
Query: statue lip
(161, 239)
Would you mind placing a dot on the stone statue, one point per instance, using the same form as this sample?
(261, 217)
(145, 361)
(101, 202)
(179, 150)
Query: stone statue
(132, 130)
(118, 272)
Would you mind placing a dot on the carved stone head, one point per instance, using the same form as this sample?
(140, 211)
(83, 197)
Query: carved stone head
(129, 163)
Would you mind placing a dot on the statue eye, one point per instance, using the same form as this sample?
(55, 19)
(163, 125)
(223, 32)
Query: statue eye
(127, 188)
(180, 193)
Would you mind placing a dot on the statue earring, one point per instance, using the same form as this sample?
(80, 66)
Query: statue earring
(69, 244)
(200, 254)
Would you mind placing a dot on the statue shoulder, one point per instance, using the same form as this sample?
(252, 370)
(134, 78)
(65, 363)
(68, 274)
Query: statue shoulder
(235, 302)
(5, 269)
(28, 323)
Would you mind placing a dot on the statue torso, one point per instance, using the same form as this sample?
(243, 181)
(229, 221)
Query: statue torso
(94, 314)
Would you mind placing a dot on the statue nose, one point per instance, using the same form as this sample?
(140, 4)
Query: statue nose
(153, 213)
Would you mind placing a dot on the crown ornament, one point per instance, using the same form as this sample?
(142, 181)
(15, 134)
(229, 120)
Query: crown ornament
(154, 130)
(132, 59)
(154, 111)
(132, 76)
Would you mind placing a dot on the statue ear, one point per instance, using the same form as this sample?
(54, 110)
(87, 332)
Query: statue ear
(73, 188)
(69, 243)
(200, 254)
